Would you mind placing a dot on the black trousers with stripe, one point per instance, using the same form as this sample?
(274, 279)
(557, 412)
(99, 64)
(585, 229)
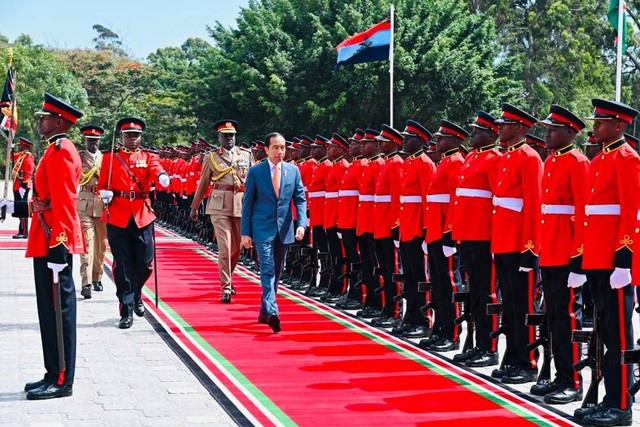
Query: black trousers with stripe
(443, 285)
(350, 244)
(369, 263)
(615, 308)
(563, 307)
(335, 266)
(413, 268)
(387, 260)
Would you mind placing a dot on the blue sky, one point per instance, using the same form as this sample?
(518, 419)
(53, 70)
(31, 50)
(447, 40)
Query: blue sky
(143, 25)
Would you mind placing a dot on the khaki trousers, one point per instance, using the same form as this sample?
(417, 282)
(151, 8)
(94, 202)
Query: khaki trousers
(227, 230)
(95, 238)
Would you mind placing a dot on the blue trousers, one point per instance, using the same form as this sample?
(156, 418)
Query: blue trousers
(271, 256)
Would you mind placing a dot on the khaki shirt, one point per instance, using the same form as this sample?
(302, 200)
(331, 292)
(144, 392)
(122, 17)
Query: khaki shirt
(89, 203)
(227, 169)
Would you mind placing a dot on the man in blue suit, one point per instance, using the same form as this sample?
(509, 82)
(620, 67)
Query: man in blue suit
(273, 190)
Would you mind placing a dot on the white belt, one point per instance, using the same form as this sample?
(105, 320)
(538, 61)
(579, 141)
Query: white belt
(511, 203)
(382, 199)
(305, 189)
(602, 210)
(183, 179)
(348, 193)
(315, 194)
(331, 195)
(366, 198)
(410, 199)
(638, 214)
(438, 198)
(473, 192)
(558, 209)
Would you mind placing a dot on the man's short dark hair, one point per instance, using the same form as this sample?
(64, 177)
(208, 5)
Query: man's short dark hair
(269, 136)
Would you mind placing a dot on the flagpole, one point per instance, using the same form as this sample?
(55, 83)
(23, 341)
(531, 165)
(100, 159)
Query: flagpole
(621, 7)
(10, 135)
(391, 68)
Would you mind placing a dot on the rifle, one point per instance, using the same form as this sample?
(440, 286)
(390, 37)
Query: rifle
(427, 310)
(543, 339)
(464, 299)
(12, 99)
(595, 354)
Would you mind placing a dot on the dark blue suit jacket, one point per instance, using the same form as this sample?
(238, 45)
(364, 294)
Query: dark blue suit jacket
(264, 215)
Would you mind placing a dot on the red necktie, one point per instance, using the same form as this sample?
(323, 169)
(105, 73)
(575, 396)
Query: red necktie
(276, 180)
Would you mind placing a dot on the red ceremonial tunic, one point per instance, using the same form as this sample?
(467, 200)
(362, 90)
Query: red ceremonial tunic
(316, 194)
(516, 210)
(614, 185)
(348, 194)
(331, 196)
(367, 190)
(24, 165)
(442, 192)
(564, 193)
(56, 182)
(146, 167)
(417, 173)
(387, 197)
(472, 208)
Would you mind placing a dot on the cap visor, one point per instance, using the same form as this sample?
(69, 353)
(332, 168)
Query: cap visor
(550, 123)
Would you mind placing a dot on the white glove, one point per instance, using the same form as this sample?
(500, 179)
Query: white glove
(184, 197)
(424, 248)
(448, 251)
(56, 268)
(8, 204)
(396, 243)
(106, 196)
(620, 278)
(21, 191)
(576, 280)
(525, 269)
(339, 235)
(163, 180)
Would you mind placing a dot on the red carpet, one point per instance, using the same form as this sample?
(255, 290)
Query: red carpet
(324, 368)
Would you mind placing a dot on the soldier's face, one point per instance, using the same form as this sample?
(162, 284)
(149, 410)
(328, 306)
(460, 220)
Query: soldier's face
(509, 132)
(131, 140)
(227, 140)
(446, 143)
(481, 137)
(355, 149)
(371, 148)
(318, 152)
(605, 131)
(412, 143)
(47, 125)
(92, 144)
(556, 137)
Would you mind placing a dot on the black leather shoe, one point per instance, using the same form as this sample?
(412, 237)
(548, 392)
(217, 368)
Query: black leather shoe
(225, 299)
(563, 395)
(608, 417)
(263, 318)
(416, 332)
(125, 322)
(466, 355)
(445, 345)
(97, 286)
(86, 291)
(18, 236)
(233, 290)
(400, 329)
(580, 413)
(428, 342)
(520, 376)
(350, 304)
(544, 387)
(383, 321)
(502, 371)
(138, 309)
(331, 298)
(482, 359)
(34, 385)
(49, 391)
(369, 313)
(274, 323)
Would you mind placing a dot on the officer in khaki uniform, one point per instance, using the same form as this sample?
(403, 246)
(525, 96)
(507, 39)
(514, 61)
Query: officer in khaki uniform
(90, 208)
(226, 169)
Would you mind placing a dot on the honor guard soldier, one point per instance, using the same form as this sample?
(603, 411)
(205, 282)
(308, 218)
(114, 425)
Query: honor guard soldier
(632, 141)
(538, 145)
(22, 174)
(225, 169)
(54, 237)
(337, 150)
(365, 223)
(564, 193)
(611, 216)
(446, 334)
(125, 187)
(257, 152)
(417, 172)
(316, 192)
(591, 148)
(90, 209)
(347, 218)
(387, 220)
(472, 212)
(514, 241)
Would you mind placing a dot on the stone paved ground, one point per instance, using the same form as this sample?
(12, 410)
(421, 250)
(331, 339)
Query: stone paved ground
(123, 378)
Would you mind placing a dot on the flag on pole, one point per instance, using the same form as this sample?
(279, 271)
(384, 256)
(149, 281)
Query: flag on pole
(368, 46)
(612, 16)
(8, 105)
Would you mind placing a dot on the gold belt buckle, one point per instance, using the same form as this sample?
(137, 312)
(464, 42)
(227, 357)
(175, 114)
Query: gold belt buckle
(132, 195)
